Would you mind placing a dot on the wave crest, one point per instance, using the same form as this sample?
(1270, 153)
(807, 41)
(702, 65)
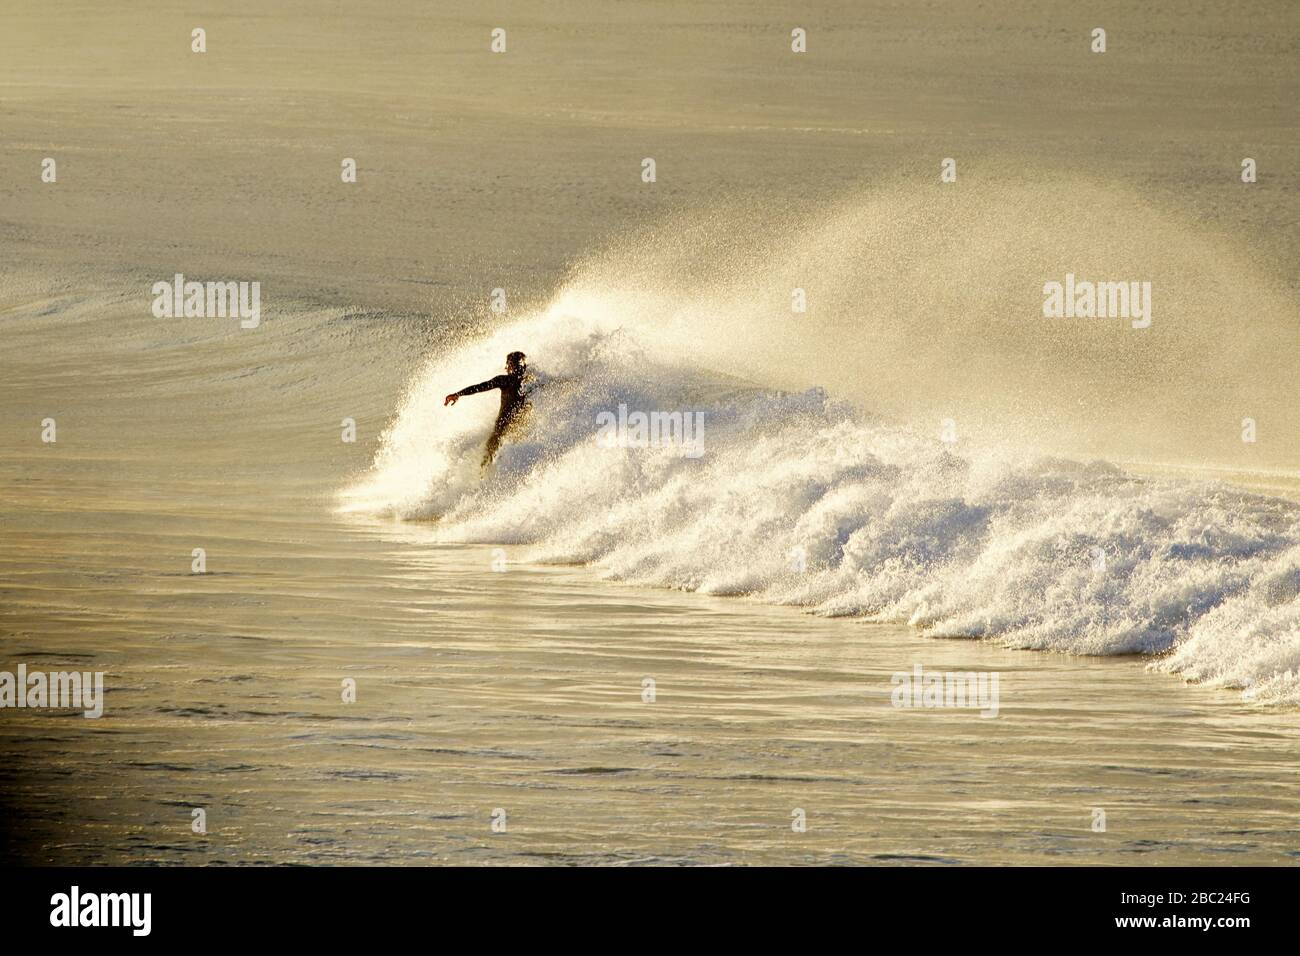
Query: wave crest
(803, 500)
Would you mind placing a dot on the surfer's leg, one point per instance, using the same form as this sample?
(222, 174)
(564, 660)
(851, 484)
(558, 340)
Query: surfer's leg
(505, 425)
(494, 440)
(490, 450)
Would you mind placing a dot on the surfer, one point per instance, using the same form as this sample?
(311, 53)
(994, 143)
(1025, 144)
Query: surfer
(514, 401)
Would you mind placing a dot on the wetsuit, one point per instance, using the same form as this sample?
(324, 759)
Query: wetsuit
(514, 406)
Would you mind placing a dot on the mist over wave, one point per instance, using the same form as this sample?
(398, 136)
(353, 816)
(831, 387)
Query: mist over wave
(924, 303)
(804, 500)
(840, 497)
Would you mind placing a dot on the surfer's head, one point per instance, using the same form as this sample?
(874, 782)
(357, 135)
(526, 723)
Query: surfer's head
(515, 361)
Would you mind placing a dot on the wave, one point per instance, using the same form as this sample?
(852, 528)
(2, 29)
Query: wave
(802, 499)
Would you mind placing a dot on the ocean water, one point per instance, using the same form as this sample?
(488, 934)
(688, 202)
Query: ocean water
(918, 469)
(500, 630)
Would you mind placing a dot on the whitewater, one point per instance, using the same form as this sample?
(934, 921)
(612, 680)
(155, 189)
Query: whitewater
(804, 499)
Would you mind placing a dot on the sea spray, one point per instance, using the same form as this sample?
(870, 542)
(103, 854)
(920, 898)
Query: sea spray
(892, 523)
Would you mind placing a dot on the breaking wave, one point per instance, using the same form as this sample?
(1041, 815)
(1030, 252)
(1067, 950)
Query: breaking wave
(805, 500)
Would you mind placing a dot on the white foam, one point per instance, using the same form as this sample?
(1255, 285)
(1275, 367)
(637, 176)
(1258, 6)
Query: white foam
(892, 523)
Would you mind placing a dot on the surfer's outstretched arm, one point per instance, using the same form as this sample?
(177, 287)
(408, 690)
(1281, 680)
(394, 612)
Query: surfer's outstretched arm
(475, 389)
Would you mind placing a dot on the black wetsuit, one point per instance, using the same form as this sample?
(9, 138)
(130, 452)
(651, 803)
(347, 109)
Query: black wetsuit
(514, 406)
